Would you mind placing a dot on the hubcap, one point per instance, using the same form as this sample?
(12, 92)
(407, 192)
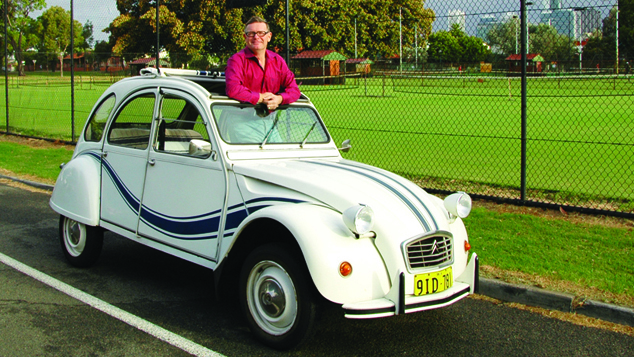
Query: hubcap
(271, 298)
(74, 237)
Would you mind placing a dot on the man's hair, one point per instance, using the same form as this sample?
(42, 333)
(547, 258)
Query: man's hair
(254, 19)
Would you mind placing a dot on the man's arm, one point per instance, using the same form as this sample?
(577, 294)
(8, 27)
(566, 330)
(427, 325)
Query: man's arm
(288, 87)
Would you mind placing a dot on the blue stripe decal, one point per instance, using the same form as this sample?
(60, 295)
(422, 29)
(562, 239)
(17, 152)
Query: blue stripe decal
(197, 227)
(413, 208)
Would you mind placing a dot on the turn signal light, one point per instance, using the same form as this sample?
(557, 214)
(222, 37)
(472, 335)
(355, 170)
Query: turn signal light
(467, 246)
(345, 269)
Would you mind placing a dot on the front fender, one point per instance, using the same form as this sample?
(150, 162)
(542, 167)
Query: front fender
(77, 189)
(326, 242)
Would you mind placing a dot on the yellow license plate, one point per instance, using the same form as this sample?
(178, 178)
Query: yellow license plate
(431, 283)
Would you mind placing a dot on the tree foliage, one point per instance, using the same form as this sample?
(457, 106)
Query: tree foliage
(455, 46)
(55, 33)
(21, 27)
(191, 27)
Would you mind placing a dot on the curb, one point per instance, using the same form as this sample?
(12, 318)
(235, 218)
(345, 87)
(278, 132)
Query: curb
(522, 294)
(532, 296)
(41, 186)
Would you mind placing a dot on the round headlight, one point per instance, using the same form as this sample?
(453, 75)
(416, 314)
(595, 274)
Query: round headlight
(359, 218)
(458, 204)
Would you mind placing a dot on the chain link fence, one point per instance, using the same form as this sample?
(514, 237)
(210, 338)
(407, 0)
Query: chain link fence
(437, 91)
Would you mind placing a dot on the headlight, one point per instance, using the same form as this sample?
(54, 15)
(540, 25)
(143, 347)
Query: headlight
(359, 219)
(458, 204)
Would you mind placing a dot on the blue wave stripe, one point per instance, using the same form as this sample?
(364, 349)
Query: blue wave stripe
(413, 208)
(401, 185)
(197, 227)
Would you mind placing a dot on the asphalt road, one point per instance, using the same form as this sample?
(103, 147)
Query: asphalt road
(37, 320)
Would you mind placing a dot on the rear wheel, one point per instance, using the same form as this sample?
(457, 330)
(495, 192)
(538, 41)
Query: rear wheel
(277, 297)
(80, 243)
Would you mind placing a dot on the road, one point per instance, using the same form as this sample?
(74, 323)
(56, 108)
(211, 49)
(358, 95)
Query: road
(37, 320)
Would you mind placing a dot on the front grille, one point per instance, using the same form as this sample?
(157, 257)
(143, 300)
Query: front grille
(429, 252)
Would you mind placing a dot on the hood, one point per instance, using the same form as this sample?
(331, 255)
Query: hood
(399, 205)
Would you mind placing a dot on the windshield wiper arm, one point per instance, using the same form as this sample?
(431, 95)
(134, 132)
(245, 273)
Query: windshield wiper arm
(277, 117)
(308, 133)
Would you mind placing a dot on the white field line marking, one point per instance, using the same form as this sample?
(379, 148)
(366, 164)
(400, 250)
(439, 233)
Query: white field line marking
(132, 320)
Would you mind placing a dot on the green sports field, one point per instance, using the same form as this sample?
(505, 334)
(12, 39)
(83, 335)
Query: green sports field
(446, 132)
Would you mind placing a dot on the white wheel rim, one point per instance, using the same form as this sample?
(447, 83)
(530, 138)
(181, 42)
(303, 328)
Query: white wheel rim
(74, 237)
(271, 298)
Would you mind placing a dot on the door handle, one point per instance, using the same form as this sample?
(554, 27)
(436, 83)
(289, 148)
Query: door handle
(151, 162)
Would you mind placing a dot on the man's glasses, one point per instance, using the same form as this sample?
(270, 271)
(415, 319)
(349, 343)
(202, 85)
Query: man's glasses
(259, 33)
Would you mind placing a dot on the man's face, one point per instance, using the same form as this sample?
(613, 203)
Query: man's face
(257, 43)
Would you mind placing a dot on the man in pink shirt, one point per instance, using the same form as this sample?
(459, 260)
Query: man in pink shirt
(257, 75)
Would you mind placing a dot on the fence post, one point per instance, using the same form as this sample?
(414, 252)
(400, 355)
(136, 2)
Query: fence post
(524, 36)
(6, 66)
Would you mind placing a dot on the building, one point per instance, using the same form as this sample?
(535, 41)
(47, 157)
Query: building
(575, 23)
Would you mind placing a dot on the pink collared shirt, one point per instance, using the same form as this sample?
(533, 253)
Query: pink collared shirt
(246, 79)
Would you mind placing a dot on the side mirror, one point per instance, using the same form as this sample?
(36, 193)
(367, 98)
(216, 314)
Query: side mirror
(200, 148)
(345, 146)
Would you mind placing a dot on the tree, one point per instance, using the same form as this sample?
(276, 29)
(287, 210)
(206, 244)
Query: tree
(55, 33)
(456, 46)
(545, 40)
(87, 34)
(503, 37)
(189, 27)
(21, 27)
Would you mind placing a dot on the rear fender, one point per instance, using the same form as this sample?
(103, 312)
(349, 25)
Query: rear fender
(326, 242)
(77, 190)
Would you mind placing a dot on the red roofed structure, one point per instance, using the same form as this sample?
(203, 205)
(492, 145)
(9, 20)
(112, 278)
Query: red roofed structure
(533, 62)
(320, 63)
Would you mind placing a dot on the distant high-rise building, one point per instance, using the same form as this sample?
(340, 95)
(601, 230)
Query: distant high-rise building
(457, 17)
(574, 23)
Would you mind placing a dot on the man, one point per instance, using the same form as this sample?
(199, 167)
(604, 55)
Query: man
(257, 75)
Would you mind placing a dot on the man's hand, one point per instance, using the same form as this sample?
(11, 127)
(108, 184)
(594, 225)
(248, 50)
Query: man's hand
(271, 100)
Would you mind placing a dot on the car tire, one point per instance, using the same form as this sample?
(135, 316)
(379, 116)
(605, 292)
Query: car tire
(80, 243)
(277, 297)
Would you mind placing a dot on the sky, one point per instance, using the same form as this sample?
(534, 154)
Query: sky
(99, 12)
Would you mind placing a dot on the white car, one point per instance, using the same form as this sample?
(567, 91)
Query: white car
(263, 198)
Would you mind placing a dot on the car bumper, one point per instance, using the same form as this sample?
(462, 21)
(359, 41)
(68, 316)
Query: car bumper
(465, 284)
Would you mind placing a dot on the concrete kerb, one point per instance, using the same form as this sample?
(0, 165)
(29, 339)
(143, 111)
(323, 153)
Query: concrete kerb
(522, 294)
(532, 296)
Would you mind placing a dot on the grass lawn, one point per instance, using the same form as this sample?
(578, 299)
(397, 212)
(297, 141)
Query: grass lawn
(462, 132)
(584, 255)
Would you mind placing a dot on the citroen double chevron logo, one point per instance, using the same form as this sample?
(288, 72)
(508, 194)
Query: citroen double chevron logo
(434, 247)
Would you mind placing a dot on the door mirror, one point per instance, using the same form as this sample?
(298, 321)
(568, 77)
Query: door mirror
(199, 148)
(345, 146)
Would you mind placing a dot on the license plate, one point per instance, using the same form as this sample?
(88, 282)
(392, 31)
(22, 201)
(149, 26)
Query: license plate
(431, 283)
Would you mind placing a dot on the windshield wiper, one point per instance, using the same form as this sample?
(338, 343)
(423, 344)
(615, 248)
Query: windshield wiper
(277, 118)
(308, 133)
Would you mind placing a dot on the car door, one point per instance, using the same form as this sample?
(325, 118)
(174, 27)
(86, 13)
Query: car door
(184, 192)
(124, 160)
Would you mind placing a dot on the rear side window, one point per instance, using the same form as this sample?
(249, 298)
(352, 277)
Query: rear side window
(94, 129)
(131, 127)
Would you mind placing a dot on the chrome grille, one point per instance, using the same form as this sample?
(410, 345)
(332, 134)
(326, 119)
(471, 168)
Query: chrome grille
(429, 252)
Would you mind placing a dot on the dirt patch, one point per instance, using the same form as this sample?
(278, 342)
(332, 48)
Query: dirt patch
(36, 143)
(560, 214)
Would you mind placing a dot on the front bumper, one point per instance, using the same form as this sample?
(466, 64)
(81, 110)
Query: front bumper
(397, 302)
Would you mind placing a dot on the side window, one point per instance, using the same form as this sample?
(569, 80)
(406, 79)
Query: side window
(181, 129)
(96, 123)
(131, 127)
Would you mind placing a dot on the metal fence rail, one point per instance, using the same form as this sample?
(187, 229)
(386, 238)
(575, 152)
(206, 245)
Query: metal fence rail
(552, 127)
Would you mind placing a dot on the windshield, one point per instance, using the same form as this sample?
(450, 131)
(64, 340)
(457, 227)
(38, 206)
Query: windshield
(257, 126)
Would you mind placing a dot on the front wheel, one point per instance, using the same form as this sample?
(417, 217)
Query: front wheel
(80, 243)
(277, 297)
